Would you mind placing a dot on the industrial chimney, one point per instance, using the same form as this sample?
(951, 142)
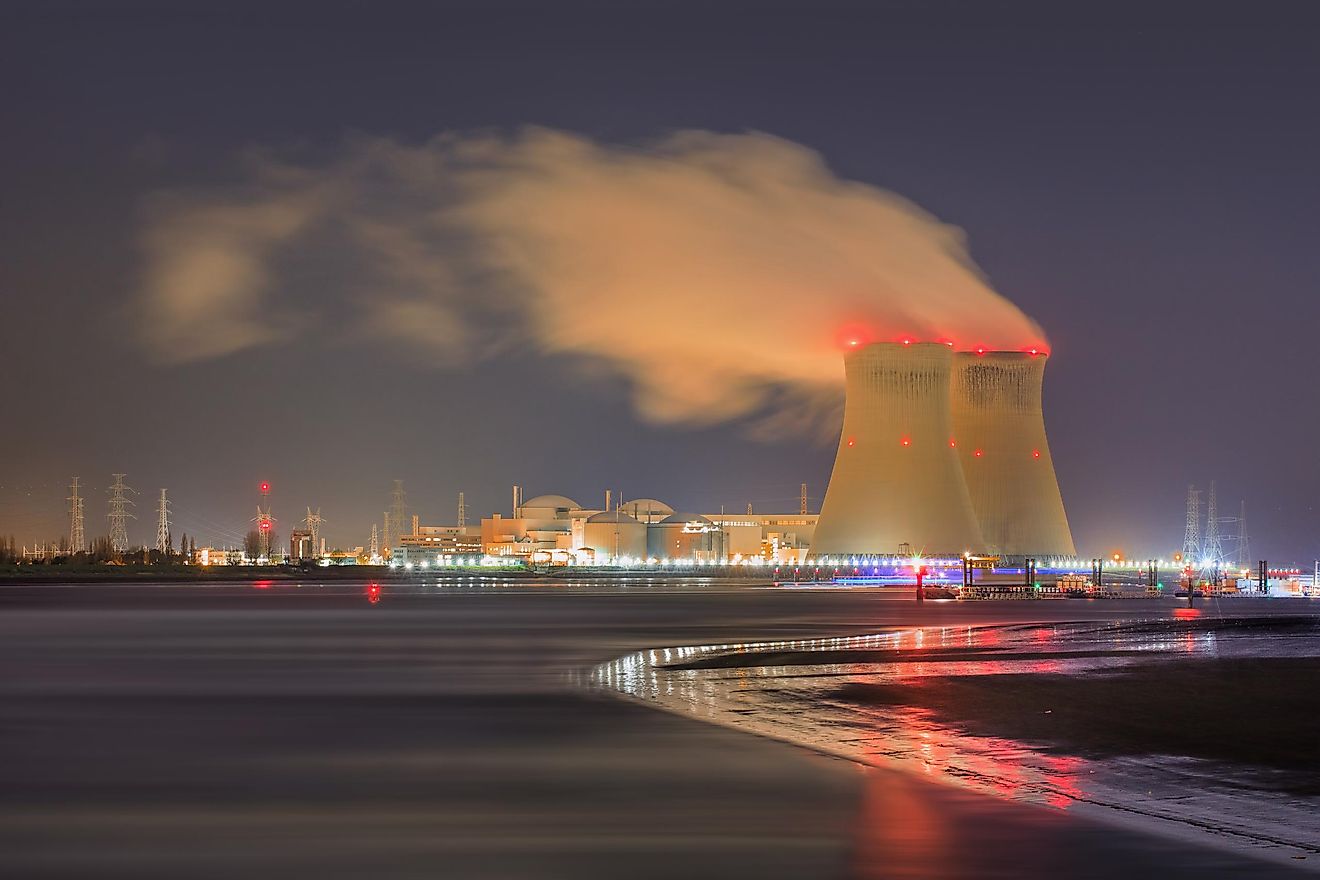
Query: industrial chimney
(897, 477)
(1000, 431)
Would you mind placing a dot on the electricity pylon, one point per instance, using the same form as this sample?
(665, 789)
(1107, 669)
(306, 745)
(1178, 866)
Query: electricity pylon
(163, 524)
(1243, 542)
(1212, 550)
(462, 511)
(1191, 551)
(313, 522)
(119, 515)
(77, 537)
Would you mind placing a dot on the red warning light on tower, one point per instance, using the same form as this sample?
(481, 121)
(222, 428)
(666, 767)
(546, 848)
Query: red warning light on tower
(265, 525)
(265, 487)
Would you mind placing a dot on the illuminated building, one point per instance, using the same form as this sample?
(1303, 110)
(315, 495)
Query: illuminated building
(610, 535)
(685, 536)
(461, 540)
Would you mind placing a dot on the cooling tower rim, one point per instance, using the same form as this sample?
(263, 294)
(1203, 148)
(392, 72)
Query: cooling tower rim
(1029, 353)
(1002, 354)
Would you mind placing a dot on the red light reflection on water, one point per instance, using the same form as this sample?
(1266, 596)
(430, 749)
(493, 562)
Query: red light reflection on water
(907, 830)
(1187, 613)
(261, 585)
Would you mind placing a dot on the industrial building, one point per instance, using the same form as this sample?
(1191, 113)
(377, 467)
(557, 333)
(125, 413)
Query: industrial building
(556, 528)
(942, 453)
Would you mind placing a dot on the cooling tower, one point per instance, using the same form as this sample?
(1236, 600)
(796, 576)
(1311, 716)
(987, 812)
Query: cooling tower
(897, 479)
(1000, 428)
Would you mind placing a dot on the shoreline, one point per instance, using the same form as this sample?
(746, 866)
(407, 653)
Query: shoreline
(1235, 806)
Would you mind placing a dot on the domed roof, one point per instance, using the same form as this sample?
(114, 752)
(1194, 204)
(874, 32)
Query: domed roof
(612, 516)
(549, 501)
(682, 518)
(647, 509)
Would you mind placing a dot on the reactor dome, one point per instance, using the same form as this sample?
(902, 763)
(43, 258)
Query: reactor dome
(548, 507)
(684, 536)
(647, 510)
(614, 535)
(611, 516)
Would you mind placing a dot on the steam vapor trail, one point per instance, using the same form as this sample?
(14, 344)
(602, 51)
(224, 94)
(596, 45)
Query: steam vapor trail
(715, 272)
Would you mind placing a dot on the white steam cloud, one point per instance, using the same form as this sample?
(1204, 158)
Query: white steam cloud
(717, 273)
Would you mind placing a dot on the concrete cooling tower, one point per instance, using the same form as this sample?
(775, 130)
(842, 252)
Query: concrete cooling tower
(897, 477)
(1000, 429)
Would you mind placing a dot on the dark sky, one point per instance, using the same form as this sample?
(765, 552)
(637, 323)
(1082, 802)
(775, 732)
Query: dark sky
(1141, 181)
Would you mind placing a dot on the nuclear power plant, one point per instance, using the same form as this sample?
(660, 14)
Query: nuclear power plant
(942, 452)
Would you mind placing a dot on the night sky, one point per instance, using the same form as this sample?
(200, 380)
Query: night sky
(1143, 183)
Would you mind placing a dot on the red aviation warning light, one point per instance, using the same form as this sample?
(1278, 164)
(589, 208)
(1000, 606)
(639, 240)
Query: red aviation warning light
(1035, 453)
(265, 525)
(852, 335)
(906, 441)
(265, 488)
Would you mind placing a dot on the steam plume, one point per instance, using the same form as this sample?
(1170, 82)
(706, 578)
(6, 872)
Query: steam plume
(713, 271)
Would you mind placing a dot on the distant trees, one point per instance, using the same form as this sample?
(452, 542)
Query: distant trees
(101, 550)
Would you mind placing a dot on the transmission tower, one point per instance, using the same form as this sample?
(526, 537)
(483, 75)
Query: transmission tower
(265, 526)
(163, 524)
(462, 511)
(313, 522)
(119, 515)
(1243, 542)
(398, 509)
(77, 537)
(385, 535)
(802, 506)
(375, 543)
(1191, 550)
(1212, 550)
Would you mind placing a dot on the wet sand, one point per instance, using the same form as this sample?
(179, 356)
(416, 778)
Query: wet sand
(301, 730)
(1249, 711)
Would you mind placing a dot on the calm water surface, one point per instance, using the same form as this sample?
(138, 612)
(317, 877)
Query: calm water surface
(446, 730)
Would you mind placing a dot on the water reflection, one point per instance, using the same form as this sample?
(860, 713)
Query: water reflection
(790, 690)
